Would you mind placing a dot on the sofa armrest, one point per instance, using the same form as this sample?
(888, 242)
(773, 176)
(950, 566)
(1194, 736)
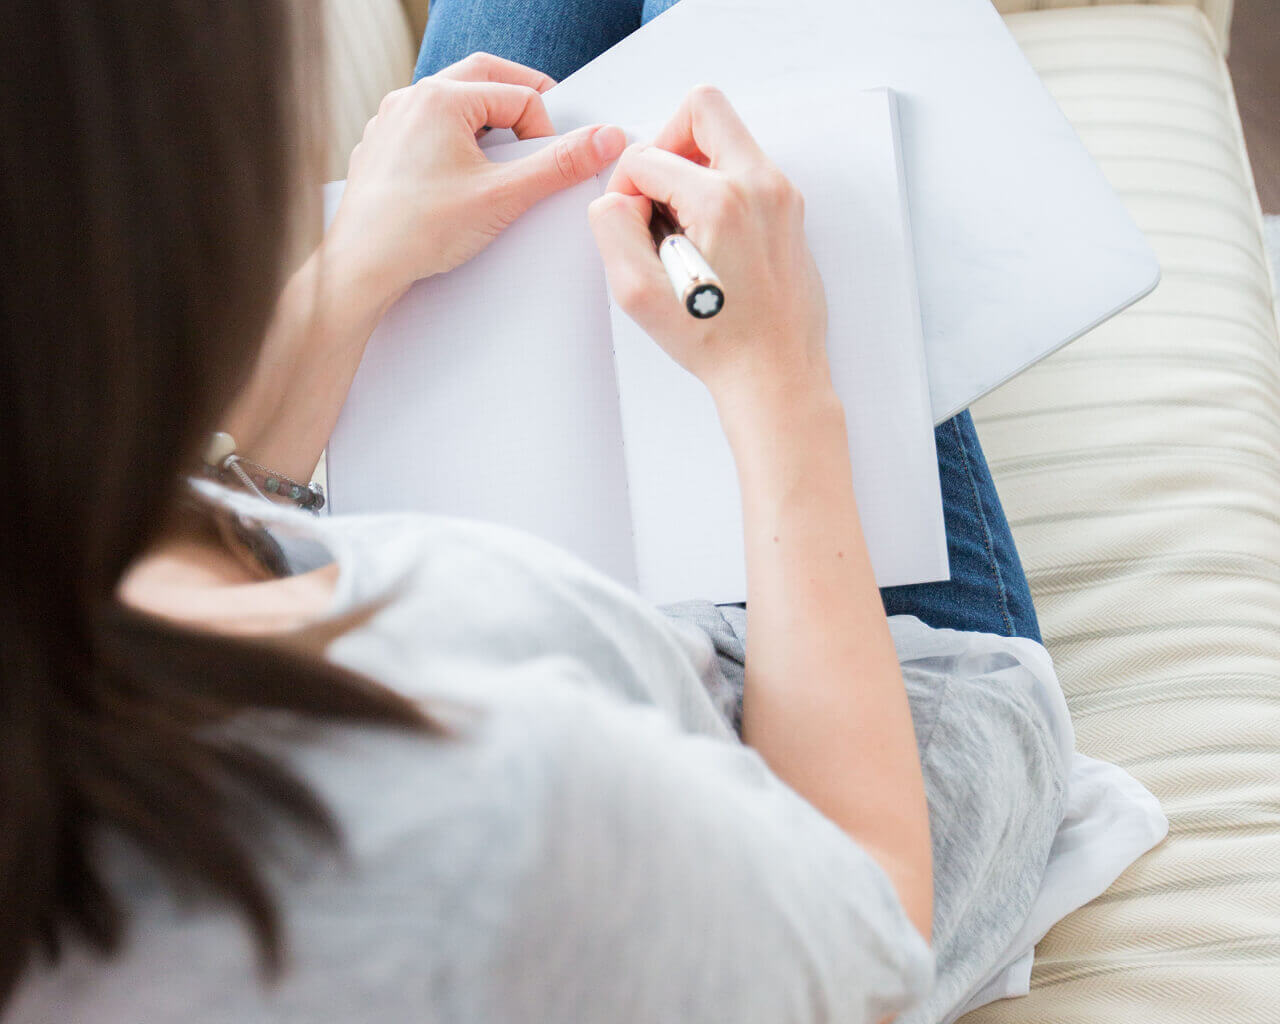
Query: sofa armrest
(370, 53)
(416, 10)
(1217, 11)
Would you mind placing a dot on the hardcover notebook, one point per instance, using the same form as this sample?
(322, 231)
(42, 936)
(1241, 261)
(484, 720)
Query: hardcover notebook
(513, 390)
(1021, 244)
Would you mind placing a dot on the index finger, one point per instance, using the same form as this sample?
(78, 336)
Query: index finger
(485, 67)
(666, 178)
(706, 125)
(498, 105)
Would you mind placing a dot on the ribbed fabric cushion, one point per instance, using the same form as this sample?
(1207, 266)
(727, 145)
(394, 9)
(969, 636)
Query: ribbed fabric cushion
(1217, 11)
(1140, 468)
(371, 52)
(417, 13)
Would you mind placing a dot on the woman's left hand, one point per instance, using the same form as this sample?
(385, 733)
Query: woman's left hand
(421, 196)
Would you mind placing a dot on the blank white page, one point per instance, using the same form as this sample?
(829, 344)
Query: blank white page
(1020, 242)
(489, 393)
(684, 493)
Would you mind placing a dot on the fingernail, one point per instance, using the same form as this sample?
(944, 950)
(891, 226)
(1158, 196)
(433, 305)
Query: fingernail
(609, 142)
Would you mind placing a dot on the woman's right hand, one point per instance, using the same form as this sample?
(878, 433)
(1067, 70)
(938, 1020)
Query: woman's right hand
(823, 703)
(748, 220)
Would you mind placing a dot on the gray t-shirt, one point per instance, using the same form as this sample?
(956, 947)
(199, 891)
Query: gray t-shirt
(593, 844)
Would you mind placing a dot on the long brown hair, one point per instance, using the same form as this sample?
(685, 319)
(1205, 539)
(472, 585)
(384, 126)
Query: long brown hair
(148, 165)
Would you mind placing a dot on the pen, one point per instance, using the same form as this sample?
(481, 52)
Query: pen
(695, 283)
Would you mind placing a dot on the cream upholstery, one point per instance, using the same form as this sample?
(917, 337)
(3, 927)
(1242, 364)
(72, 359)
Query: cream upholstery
(1217, 11)
(371, 52)
(417, 12)
(1141, 470)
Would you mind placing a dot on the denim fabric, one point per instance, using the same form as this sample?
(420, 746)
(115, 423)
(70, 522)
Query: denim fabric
(555, 36)
(987, 591)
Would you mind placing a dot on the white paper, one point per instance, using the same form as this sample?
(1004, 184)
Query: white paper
(684, 492)
(1020, 243)
(489, 393)
(492, 392)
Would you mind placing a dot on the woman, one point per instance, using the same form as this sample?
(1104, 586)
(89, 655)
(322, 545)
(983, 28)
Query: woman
(451, 773)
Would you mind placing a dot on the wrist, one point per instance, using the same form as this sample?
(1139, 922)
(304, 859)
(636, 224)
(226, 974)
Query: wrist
(283, 416)
(351, 294)
(761, 407)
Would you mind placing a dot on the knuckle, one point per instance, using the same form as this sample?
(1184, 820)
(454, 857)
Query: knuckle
(705, 95)
(568, 160)
(629, 156)
(428, 94)
(391, 100)
(598, 209)
(730, 202)
(480, 61)
(630, 289)
(772, 186)
(608, 205)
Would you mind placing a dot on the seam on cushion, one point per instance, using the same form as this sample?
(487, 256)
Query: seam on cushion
(986, 530)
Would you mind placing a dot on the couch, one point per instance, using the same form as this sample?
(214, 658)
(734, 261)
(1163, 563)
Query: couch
(1140, 468)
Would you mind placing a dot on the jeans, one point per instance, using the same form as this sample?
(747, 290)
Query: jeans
(988, 590)
(555, 36)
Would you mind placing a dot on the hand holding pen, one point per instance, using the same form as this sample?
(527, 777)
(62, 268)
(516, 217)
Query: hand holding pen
(695, 283)
(739, 214)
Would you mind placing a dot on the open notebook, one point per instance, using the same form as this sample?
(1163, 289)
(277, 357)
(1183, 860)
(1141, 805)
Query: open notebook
(512, 390)
(1020, 243)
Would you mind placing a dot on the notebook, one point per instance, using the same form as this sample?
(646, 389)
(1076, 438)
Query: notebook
(512, 390)
(1020, 243)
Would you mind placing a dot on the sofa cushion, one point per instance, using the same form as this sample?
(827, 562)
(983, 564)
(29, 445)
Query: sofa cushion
(1140, 468)
(371, 51)
(1217, 11)
(416, 12)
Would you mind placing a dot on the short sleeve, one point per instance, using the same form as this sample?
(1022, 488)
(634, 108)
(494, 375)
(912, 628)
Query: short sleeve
(678, 879)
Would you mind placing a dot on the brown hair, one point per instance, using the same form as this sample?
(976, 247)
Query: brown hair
(147, 172)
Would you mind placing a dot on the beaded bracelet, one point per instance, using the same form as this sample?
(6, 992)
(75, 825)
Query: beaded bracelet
(223, 463)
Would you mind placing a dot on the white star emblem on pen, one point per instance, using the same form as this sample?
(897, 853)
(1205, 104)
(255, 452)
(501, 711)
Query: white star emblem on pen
(706, 302)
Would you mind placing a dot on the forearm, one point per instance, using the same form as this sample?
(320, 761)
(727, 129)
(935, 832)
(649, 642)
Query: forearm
(285, 414)
(825, 703)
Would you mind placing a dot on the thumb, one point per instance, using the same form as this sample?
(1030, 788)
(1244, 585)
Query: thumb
(569, 160)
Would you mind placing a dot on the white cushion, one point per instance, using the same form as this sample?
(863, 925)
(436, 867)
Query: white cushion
(371, 51)
(416, 10)
(1217, 11)
(1140, 468)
